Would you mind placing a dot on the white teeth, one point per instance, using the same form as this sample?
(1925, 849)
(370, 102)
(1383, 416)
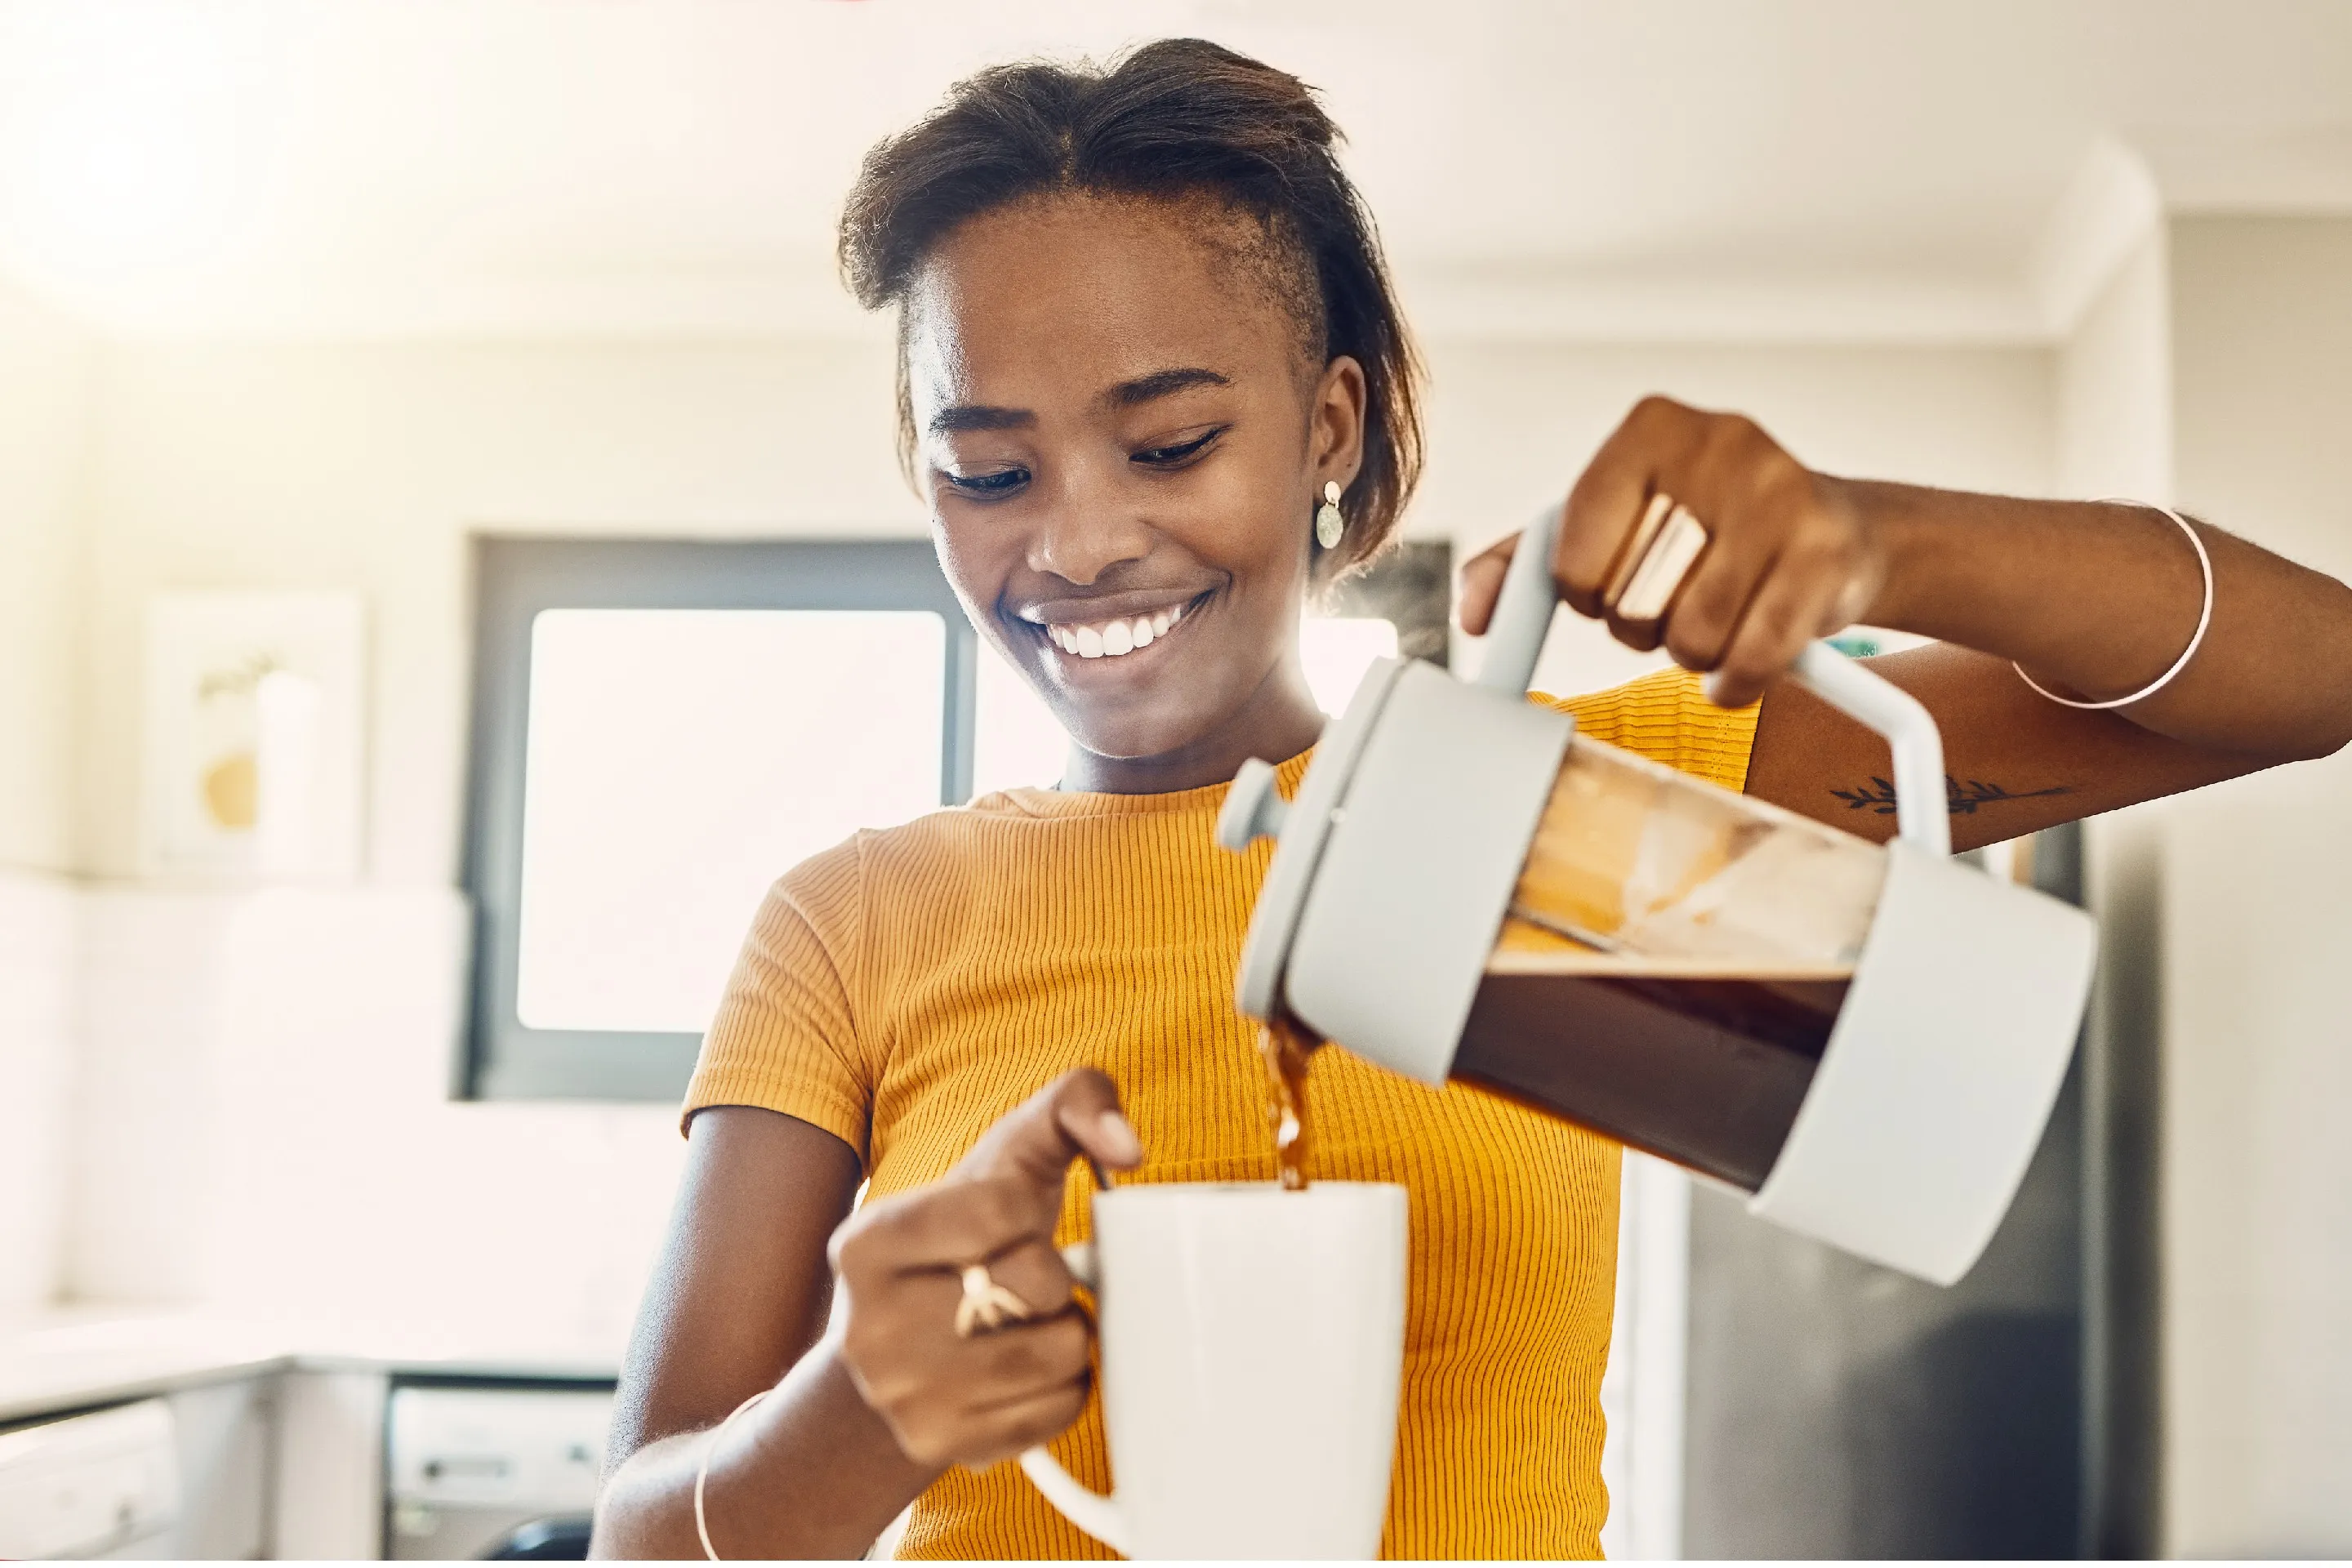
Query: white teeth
(1112, 638)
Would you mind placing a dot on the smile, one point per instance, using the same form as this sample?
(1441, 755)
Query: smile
(1114, 638)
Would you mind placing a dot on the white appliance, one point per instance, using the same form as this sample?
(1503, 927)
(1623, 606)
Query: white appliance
(106, 1484)
(468, 1464)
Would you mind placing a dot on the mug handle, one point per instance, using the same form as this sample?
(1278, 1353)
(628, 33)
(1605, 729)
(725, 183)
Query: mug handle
(1523, 617)
(1091, 1512)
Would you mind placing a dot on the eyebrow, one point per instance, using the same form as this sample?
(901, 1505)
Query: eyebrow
(967, 416)
(1160, 384)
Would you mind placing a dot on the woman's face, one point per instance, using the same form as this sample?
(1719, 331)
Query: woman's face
(1124, 444)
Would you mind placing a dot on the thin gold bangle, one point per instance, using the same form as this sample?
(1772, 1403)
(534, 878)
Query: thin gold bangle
(2196, 639)
(702, 1470)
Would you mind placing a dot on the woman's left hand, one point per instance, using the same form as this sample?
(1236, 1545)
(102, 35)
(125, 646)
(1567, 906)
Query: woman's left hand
(1789, 555)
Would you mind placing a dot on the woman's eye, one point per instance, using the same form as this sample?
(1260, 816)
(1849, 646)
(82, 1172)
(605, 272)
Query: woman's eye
(998, 482)
(1169, 455)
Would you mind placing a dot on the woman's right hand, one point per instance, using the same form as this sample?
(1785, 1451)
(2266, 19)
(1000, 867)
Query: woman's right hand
(948, 1399)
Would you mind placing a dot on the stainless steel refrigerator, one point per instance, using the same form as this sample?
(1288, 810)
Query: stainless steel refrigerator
(1836, 1409)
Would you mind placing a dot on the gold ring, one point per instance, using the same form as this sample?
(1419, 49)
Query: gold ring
(1667, 543)
(986, 1305)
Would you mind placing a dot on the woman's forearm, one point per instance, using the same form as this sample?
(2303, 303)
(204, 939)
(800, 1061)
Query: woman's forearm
(810, 1472)
(2098, 600)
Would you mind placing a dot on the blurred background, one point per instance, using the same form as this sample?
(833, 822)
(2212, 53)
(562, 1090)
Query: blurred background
(425, 427)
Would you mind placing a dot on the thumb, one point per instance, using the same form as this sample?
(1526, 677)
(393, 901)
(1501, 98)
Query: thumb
(1077, 1114)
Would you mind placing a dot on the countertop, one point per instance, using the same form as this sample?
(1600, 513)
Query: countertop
(73, 1358)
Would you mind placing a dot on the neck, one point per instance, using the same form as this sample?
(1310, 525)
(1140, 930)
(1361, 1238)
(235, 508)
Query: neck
(1278, 721)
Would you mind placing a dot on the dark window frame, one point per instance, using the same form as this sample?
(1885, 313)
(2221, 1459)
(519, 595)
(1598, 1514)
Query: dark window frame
(517, 576)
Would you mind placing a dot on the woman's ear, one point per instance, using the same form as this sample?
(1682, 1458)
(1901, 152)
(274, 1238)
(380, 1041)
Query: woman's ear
(1336, 421)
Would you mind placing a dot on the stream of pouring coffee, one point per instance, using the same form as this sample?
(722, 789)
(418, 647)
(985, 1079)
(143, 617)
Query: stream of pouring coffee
(1287, 1047)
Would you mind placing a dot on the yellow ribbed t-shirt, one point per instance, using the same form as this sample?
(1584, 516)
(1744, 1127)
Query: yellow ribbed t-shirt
(906, 989)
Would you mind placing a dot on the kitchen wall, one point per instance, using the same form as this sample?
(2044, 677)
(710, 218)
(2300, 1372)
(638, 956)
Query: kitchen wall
(2258, 1070)
(364, 468)
(263, 1101)
(45, 366)
(45, 374)
(39, 931)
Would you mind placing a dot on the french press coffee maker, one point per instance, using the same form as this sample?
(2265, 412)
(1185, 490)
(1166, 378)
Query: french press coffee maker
(1865, 1041)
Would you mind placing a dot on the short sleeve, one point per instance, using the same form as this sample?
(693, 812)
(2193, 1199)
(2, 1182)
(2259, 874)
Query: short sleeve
(1666, 717)
(786, 1037)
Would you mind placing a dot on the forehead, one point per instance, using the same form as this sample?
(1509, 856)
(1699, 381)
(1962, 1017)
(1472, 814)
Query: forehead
(1055, 298)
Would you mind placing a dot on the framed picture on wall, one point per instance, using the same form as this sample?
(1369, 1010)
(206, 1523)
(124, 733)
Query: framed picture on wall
(251, 760)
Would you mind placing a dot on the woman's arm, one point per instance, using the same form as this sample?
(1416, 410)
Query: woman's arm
(738, 1303)
(862, 1419)
(2094, 599)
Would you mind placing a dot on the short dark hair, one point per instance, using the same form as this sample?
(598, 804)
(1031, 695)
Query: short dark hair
(1180, 119)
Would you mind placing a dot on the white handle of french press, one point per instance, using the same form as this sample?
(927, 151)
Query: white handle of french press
(1523, 617)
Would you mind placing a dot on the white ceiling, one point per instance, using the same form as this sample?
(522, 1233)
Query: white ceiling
(1600, 167)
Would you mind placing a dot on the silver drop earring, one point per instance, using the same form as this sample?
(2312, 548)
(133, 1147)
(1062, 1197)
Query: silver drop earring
(1330, 526)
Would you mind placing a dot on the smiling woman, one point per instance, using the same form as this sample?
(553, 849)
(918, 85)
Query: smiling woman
(1149, 468)
(1144, 330)
(1243, 351)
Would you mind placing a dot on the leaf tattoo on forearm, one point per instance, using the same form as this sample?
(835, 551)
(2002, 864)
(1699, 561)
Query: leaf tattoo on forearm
(1963, 796)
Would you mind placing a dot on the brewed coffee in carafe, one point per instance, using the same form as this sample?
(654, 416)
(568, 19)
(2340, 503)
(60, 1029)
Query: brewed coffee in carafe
(1671, 964)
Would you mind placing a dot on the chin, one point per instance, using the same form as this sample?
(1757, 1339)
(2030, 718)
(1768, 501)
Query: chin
(1139, 733)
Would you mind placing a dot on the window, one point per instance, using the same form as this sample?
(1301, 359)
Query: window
(673, 760)
(661, 728)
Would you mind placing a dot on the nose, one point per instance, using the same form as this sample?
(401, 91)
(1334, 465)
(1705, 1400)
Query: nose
(1086, 532)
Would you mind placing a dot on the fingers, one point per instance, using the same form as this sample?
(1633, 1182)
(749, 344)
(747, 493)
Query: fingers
(1088, 1111)
(982, 1399)
(1788, 611)
(973, 1397)
(1024, 1421)
(1784, 557)
(1077, 1114)
(998, 1206)
(1611, 499)
(1034, 1271)
(1702, 616)
(946, 1226)
(1820, 584)
(947, 1396)
(1649, 570)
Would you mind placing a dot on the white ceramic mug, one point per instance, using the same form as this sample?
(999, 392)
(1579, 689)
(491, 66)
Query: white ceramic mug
(1252, 1343)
